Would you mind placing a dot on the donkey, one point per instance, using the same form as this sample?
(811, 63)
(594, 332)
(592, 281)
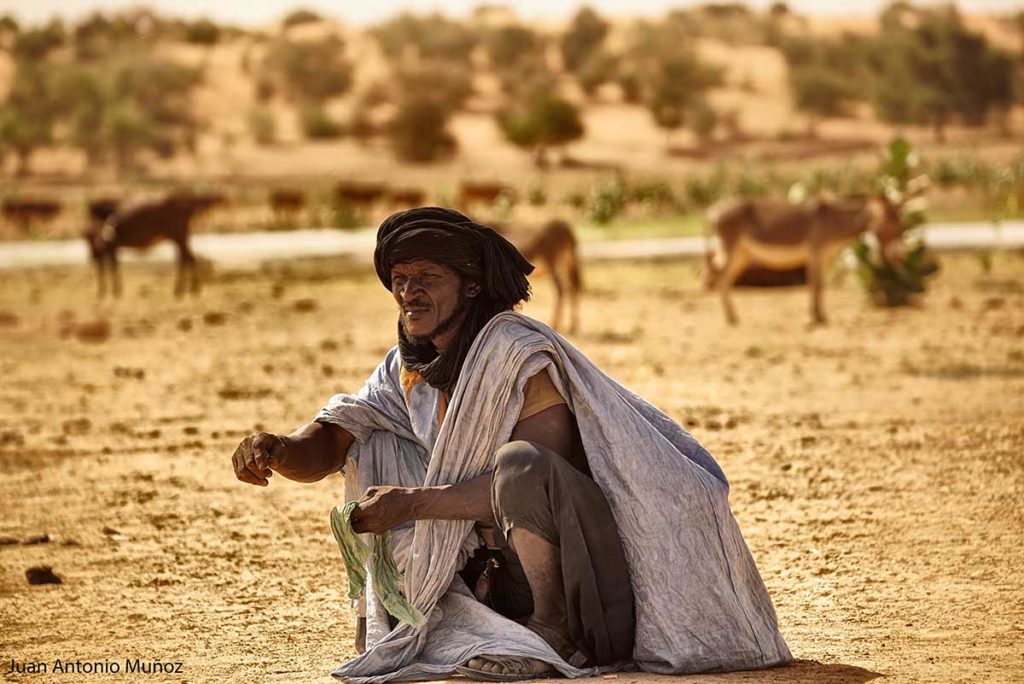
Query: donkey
(779, 235)
(140, 225)
(553, 248)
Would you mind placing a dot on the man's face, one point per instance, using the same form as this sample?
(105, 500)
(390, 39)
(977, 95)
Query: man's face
(428, 295)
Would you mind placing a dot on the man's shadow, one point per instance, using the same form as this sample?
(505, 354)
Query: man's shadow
(797, 672)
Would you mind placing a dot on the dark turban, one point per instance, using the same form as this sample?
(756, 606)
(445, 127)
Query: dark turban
(478, 253)
(448, 237)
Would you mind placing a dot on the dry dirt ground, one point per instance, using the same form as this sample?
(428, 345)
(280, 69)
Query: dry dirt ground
(877, 464)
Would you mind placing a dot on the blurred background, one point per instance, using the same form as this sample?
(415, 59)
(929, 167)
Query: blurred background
(625, 117)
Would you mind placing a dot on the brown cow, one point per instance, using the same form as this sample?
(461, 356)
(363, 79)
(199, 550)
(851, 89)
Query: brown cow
(552, 247)
(471, 192)
(286, 203)
(359, 194)
(779, 235)
(24, 212)
(142, 224)
(287, 200)
(407, 198)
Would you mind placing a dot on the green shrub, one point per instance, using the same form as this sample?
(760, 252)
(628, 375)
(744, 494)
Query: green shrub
(317, 125)
(311, 70)
(419, 131)
(262, 125)
(300, 16)
(202, 32)
(893, 283)
(608, 201)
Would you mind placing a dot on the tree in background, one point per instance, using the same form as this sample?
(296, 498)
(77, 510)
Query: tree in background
(676, 95)
(583, 38)
(299, 17)
(931, 69)
(819, 91)
(310, 71)
(432, 37)
(419, 131)
(539, 121)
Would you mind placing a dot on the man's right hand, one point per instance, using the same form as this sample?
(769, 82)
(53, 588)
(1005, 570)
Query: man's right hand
(257, 456)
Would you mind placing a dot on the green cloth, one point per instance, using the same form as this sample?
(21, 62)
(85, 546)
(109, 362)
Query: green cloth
(387, 578)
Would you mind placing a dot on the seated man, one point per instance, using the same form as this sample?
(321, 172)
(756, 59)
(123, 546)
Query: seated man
(593, 508)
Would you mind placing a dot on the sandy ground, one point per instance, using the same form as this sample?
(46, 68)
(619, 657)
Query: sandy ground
(877, 464)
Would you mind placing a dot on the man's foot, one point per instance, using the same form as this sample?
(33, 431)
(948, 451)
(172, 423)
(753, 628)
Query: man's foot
(506, 668)
(511, 668)
(558, 639)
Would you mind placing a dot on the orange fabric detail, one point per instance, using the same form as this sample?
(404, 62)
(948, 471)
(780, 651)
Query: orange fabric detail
(409, 379)
(442, 407)
(539, 393)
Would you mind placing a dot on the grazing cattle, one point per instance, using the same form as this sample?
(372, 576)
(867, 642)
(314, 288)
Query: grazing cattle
(359, 194)
(471, 192)
(24, 212)
(779, 235)
(103, 208)
(286, 203)
(552, 247)
(142, 224)
(407, 198)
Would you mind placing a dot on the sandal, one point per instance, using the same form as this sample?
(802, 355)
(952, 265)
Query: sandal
(515, 669)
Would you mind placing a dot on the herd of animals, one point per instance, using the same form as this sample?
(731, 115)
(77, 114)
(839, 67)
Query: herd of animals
(760, 241)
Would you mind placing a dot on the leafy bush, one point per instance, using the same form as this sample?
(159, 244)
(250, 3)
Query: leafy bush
(316, 124)
(262, 125)
(202, 32)
(544, 120)
(584, 38)
(608, 201)
(443, 83)
(34, 44)
(300, 16)
(601, 67)
(507, 45)
(311, 70)
(430, 37)
(893, 283)
(419, 131)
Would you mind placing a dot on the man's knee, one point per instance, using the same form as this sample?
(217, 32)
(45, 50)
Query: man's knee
(521, 461)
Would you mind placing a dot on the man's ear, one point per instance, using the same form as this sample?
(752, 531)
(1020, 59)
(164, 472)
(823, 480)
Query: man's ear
(472, 290)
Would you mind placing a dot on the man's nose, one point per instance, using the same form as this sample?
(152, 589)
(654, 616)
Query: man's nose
(411, 288)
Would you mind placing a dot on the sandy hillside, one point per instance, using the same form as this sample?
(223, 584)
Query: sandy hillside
(877, 465)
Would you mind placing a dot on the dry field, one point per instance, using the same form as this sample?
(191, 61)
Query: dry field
(877, 465)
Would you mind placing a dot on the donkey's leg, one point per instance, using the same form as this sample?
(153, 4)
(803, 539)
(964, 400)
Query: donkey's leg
(193, 271)
(115, 272)
(556, 277)
(101, 277)
(736, 262)
(815, 280)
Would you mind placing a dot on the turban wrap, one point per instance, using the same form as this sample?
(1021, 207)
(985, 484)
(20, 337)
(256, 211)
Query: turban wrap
(478, 253)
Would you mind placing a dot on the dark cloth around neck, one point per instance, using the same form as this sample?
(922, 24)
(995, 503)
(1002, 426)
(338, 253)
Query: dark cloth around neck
(478, 253)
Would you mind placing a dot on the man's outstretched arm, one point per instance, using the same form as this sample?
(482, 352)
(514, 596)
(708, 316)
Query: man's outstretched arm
(311, 453)
(382, 508)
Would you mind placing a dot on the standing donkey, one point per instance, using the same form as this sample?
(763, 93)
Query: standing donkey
(552, 247)
(779, 235)
(140, 225)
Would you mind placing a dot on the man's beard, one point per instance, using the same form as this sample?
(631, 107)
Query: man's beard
(442, 327)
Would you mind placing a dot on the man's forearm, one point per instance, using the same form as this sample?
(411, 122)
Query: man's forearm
(469, 500)
(314, 451)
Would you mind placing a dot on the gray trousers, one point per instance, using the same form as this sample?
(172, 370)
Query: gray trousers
(535, 489)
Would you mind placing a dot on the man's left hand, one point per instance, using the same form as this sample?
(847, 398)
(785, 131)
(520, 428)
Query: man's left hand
(383, 508)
